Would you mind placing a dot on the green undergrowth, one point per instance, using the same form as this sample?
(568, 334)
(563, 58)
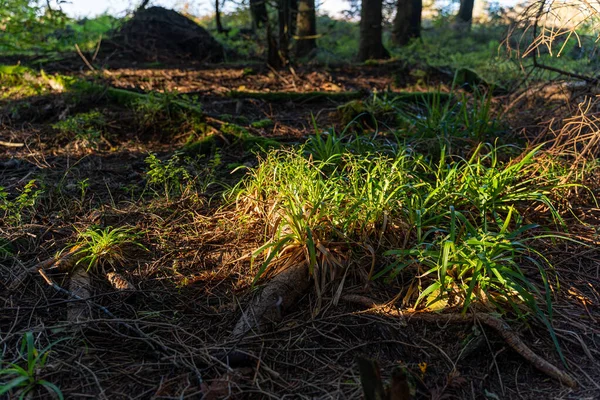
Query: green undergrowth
(17, 81)
(15, 209)
(26, 375)
(435, 119)
(88, 128)
(99, 247)
(6, 249)
(181, 174)
(33, 28)
(456, 229)
(228, 135)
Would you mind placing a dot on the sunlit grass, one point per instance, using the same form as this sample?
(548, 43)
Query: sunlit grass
(455, 226)
(98, 246)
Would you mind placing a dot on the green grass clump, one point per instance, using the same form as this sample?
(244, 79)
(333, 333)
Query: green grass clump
(453, 227)
(105, 246)
(24, 379)
(314, 202)
(433, 115)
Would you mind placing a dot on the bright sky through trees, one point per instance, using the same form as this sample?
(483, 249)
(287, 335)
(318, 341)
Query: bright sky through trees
(87, 8)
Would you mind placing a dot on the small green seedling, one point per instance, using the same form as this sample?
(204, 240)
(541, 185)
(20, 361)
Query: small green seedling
(107, 245)
(12, 211)
(25, 379)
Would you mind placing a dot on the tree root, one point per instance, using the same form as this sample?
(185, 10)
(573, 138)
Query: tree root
(80, 285)
(277, 296)
(509, 336)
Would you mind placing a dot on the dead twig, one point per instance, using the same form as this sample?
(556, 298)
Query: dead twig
(85, 60)
(11, 144)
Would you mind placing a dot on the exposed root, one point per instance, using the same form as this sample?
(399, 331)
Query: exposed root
(277, 296)
(509, 336)
(79, 284)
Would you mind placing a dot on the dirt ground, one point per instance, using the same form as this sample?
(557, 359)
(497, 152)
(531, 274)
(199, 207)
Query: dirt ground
(171, 336)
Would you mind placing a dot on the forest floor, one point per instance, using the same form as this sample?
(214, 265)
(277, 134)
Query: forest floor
(170, 334)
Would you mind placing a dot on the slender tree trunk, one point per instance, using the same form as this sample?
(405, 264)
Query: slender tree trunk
(258, 10)
(292, 17)
(371, 45)
(407, 24)
(285, 26)
(218, 17)
(306, 28)
(273, 58)
(464, 17)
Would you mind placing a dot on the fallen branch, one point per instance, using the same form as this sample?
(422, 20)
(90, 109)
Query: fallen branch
(509, 336)
(61, 263)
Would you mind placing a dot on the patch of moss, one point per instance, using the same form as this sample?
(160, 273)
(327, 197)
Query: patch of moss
(262, 124)
(232, 135)
(470, 79)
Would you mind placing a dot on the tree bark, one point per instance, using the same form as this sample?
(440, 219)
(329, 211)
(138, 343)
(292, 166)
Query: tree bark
(285, 13)
(464, 17)
(258, 10)
(306, 28)
(218, 17)
(273, 58)
(407, 24)
(371, 44)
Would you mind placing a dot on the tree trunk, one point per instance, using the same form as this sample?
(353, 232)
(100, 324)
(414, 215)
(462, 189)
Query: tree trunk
(218, 17)
(407, 24)
(465, 14)
(273, 58)
(306, 28)
(285, 26)
(258, 9)
(371, 45)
